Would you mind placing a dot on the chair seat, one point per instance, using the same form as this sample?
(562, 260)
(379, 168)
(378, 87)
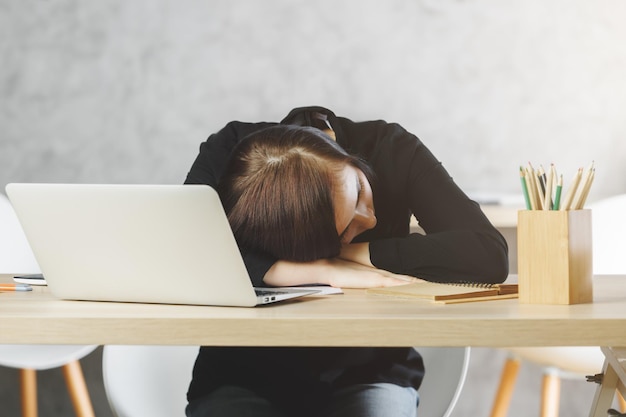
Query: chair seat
(41, 357)
(581, 360)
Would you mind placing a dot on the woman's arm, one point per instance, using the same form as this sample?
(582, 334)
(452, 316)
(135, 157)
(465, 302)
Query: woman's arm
(333, 272)
(459, 244)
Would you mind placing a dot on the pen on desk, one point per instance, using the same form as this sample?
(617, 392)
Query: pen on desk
(15, 287)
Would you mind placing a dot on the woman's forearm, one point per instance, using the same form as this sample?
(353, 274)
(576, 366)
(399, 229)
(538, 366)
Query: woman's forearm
(288, 274)
(333, 272)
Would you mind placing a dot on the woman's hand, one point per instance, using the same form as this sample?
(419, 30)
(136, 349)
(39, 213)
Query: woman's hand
(346, 274)
(334, 272)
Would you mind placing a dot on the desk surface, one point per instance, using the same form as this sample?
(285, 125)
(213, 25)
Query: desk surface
(350, 319)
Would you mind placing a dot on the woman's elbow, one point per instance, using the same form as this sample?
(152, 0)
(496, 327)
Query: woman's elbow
(497, 259)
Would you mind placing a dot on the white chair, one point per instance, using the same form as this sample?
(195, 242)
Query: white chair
(446, 370)
(32, 358)
(153, 380)
(609, 242)
(147, 380)
(16, 257)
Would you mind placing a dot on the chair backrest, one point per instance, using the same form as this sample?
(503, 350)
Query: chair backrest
(16, 257)
(609, 235)
(148, 380)
(153, 380)
(446, 370)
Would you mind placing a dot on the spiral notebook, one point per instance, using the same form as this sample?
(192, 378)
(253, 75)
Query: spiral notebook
(447, 293)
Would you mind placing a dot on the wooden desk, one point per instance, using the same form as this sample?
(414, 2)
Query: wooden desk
(351, 319)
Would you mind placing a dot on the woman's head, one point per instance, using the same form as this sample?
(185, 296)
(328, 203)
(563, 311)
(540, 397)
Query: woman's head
(294, 193)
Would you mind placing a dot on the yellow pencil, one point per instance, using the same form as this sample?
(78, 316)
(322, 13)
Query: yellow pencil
(532, 188)
(547, 200)
(578, 199)
(569, 196)
(534, 178)
(587, 187)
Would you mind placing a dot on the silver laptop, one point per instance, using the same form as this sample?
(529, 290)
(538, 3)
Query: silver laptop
(137, 243)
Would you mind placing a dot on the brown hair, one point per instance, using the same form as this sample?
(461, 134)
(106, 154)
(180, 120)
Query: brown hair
(277, 192)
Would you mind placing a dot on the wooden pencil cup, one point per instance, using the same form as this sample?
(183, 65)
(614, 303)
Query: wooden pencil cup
(554, 255)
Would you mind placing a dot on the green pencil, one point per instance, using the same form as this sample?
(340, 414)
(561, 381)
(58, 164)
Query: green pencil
(557, 195)
(522, 175)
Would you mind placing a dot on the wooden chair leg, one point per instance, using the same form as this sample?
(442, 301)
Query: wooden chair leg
(621, 402)
(504, 393)
(28, 389)
(550, 395)
(77, 388)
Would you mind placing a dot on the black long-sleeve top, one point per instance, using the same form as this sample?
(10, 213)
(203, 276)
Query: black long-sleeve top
(460, 244)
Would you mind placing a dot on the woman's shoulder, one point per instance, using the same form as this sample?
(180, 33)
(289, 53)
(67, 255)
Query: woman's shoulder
(238, 130)
(376, 139)
(388, 133)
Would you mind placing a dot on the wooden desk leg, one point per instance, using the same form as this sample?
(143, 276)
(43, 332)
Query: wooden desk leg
(78, 389)
(605, 392)
(28, 388)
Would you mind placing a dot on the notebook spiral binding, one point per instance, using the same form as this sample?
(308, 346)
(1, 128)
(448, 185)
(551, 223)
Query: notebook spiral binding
(470, 284)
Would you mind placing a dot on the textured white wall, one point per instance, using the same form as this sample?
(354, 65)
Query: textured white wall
(124, 91)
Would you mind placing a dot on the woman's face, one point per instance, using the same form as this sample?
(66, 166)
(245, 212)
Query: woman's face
(354, 204)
